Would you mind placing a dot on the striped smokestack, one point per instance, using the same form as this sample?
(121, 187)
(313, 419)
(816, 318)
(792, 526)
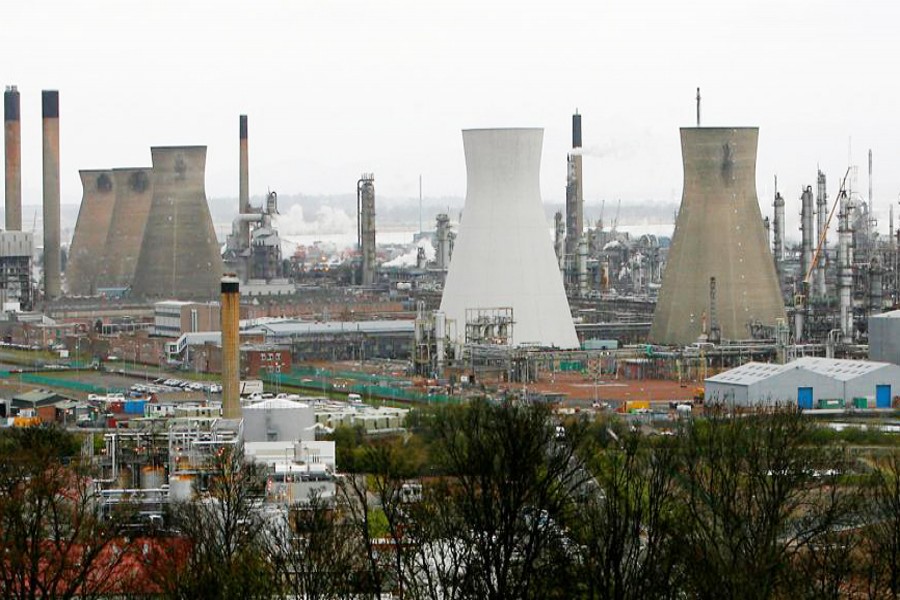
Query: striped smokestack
(574, 197)
(231, 314)
(244, 190)
(13, 145)
(50, 113)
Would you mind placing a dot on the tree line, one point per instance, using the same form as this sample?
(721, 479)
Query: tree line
(495, 501)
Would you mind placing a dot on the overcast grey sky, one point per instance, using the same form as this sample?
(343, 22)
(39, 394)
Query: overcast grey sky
(337, 87)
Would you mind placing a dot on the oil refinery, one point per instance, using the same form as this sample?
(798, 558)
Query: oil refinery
(505, 300)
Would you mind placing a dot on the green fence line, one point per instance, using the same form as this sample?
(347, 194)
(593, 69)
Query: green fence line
(300, 378)
(67, 384)
(304, 371)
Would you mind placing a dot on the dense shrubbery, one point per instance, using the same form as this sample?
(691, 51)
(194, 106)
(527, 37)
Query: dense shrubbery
(753, 507)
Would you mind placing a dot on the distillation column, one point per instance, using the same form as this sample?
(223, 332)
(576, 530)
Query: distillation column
(778, 230)
(808, 231)
(559, 239)
(365, 190)
(821, 240)
(442, 254)
(845, 273)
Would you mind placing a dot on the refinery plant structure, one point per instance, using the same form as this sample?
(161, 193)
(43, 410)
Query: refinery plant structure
(730, 285)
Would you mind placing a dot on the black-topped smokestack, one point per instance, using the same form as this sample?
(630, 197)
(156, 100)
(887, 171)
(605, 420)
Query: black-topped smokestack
(244, 183)
(576, 130)
(50, 124)
(13, 165)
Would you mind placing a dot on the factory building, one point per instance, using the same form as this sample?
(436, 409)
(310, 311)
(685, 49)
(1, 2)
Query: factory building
(807, 383)
(174, 318)
(884, 337)
(179, 255)
(87, 252)
(504, 269)
(720, 279)
(16, 249)
(254, 255)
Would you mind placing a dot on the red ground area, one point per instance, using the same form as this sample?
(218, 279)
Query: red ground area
(579, 387)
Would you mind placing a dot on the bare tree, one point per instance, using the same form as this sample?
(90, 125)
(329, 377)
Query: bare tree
(224, 529)
(316, 551)
(510, 491)
(881, 542)
(755, 496)
(626, 527)
(54, 542)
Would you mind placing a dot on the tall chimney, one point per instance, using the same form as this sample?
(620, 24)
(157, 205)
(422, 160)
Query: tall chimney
(244, 189)
(574, 200)
(50, 113)
(13, 146)
(230, 316)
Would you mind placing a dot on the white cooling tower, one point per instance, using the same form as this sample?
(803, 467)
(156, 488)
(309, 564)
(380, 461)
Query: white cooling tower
(503, 257)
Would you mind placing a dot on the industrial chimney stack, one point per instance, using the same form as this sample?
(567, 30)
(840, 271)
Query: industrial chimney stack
(574, 198)
(244, 190)
(13, 148)
(50, 113)
(230, 315)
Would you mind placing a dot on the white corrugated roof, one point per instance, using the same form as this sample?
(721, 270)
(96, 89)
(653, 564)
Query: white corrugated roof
(276, 403)
(835, 368)
(894, 314)
(747, 374)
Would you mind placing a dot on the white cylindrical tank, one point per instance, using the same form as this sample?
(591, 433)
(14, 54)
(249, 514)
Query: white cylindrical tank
(503, 256)
(279, 420)
(152, 478)
(181, 487)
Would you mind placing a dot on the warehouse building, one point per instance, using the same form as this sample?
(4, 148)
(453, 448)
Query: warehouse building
(808, 383)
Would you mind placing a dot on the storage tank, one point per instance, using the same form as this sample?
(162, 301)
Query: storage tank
(181, 487)
(87, 253)
(152, 478)
(503, 256)
(179, 252)
(279, 420)
(718, 233)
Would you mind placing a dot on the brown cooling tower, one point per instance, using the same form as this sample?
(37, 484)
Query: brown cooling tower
(86, 254)
(12, 135)
(719, 233)
(179, 252)
(52, 259)
(231, 314)
(134, 194)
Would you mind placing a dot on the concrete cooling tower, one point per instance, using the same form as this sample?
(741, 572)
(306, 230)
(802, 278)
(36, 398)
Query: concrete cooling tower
(179, 253)
(718, 234)
(86, 254)
(134, 194)
(503, 257)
